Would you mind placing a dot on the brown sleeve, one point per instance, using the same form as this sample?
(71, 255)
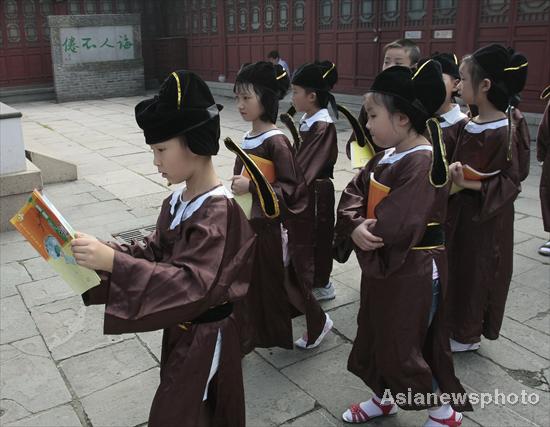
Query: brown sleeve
(500, 190)
(145, 295)
(289, 185)
(318, 154)
(543, 136)
(523, 141)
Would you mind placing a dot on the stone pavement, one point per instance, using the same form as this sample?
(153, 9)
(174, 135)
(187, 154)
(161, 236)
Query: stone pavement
(58, 369)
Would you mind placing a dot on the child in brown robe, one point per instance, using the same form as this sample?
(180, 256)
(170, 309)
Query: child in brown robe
(480, 221)
(393, 212)
(316, 156)
(403, 52)
(187, 275)
(453, 119)
(282, 277)
(543, 156)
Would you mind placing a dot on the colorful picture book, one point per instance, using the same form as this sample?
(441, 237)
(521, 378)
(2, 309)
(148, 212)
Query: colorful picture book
(51, 235)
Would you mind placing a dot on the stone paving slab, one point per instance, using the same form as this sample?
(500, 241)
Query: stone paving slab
(70, 328)
(62, 416)
(126, 403)
(275, 402)
(101, 368)
(17, 323)
(30, 379)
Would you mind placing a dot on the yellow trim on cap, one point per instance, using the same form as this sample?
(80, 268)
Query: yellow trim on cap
(420, 69)
(329, 70)
(179, 88)
(456, 59)
(516, 68)
(281, 76)
(546, 91)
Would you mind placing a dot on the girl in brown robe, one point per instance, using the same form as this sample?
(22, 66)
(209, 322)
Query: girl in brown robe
(187, 275)
(543, 156)
(402, 344)
(316, 155)
(283, 265)
(480, 222)
(452, 118)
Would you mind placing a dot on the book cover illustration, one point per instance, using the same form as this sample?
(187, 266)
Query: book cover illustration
(51, 235)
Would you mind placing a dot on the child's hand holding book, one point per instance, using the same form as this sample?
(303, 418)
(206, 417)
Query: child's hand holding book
(456, 171)
(363, 237)
(91, 253)
(240, 185)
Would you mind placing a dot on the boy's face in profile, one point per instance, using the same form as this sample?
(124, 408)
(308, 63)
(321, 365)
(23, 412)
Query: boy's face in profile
(396, 56)
(302, 100)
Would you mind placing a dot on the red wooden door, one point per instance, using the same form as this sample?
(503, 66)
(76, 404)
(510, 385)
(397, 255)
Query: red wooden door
(525, 26)
(25, 55)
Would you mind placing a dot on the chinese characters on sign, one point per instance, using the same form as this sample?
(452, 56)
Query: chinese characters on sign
(96, 44)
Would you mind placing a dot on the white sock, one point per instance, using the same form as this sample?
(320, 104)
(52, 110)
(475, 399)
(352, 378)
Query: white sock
(441, 412)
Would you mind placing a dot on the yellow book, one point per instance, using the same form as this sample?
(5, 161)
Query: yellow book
(377, 193)
(51, 235)
(359, 155)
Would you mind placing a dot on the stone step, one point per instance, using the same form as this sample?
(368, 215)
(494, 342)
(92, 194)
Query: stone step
(18, 94)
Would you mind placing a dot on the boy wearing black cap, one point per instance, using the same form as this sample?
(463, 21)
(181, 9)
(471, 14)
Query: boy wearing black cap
(316, 156)
(402, 52)
(453, 119)
(393, 212)
(282, 276)
(187, 275)
(480, 222)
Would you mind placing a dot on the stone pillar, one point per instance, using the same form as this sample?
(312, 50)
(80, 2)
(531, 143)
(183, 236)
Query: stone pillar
(18, 176)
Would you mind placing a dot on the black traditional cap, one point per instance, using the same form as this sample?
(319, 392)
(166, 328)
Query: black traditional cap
(507, 71)
(419, 96)
(184, 106)
(448, 62)
(321, 77)
(266, 75)
(317, 75)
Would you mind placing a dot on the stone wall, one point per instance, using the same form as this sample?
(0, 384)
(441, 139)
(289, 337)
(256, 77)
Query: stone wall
(96, 56)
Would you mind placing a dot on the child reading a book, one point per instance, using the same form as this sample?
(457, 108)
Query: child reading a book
(543, 156)
(316, 156)
(480, 221)
(282, 274)
(187, 275)
(403, 52)
(453, 119)
(402, 343)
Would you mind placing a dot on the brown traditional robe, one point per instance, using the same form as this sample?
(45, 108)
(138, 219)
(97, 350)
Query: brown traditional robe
(395, 348)
(316, 157)
(453, 122)
(480, 233)
(543, 155)
(172, 277)
(277, 294)
(363, 118)
(522, 140)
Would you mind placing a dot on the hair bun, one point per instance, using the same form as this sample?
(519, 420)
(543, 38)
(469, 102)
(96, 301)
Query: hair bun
(329, 72)
(282, 81)
(515, 74)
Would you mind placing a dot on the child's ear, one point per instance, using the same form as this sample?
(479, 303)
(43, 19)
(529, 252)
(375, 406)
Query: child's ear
(485, 85)
(402, 119)
(312, 96)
